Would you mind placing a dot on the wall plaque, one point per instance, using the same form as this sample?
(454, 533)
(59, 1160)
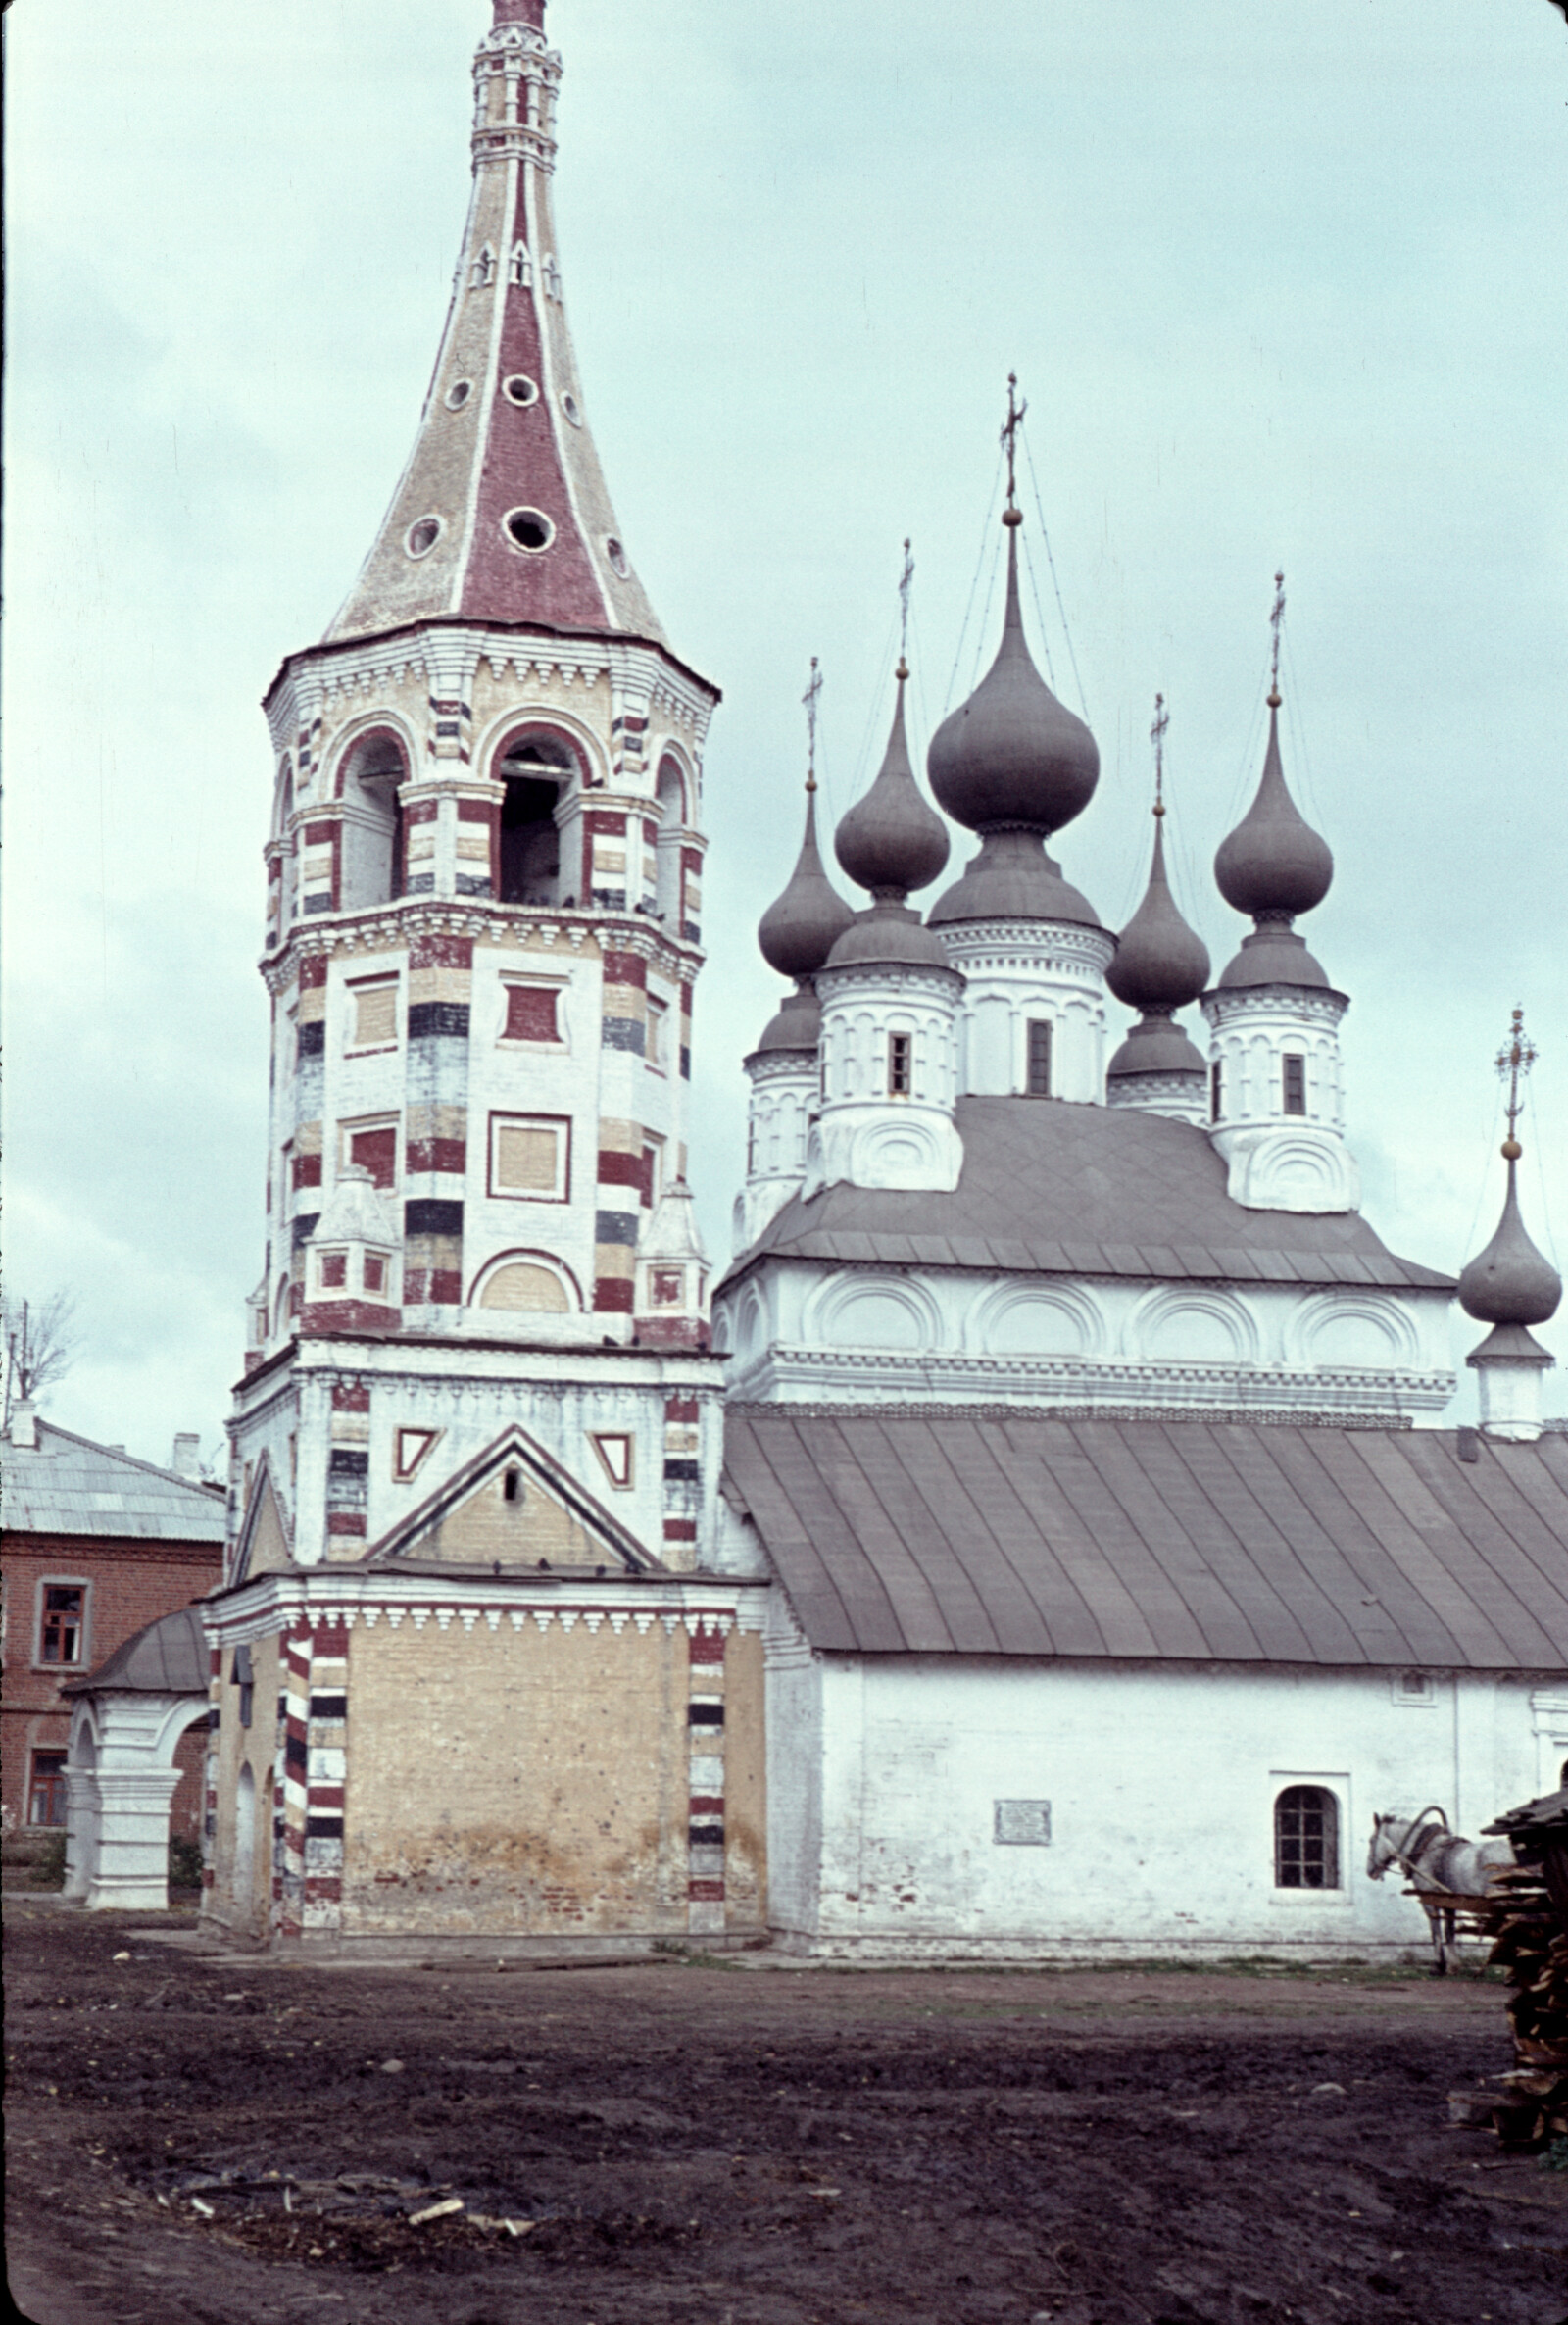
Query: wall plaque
(1022, 1824)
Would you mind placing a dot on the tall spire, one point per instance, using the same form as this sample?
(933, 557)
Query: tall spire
(502, 514)
(1273, 865)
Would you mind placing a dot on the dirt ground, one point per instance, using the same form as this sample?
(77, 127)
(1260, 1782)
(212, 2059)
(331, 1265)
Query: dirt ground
(209, 2141)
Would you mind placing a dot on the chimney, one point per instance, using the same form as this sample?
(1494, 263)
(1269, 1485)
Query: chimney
(185, 1460)
(25, 1422)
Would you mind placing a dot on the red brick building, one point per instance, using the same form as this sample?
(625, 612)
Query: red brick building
(96, 1546)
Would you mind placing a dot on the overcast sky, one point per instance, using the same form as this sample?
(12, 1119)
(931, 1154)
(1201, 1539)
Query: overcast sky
(1282, 286)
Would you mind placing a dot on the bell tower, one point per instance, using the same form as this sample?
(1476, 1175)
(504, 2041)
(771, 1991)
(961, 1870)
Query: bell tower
(484, 931)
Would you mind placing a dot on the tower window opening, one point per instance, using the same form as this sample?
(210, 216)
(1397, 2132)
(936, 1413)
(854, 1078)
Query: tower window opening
(1294, 1083)
(534, 770)
(511, 1488)
(459, 393)
(1038, 1081)
(484, 268)
(521, 271)
(423, 536)
(520, 389)
(901, 1064)
(1216, 1090)
(617, 558)
(570, 407)
(529, 530)
(372, 866)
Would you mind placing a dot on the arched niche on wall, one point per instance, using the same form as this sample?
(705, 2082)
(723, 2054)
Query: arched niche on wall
(525, 1283)
(672, 790)
(370, 773)
(538, 763)
(874, 1311)
(1053, 1321)
(1196, 1326)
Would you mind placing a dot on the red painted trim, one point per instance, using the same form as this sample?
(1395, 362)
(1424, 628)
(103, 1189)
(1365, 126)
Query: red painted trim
(616, 1169)
(682, 1409)
(680, 1529)
(349, 1316)
(626, 968)
(432, 1154)
(706, 1803)
(477, 810)
(612, 1297)
(317, 834)
(352, 1395)
(307, 1171)
(707, 1892)
(345, 1521)
(606, 822)
(706, 1646)
(313, 972)
(432, 949)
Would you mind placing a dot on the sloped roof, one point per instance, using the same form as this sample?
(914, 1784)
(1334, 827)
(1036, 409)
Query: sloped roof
(69, 1485)
(1026, 1535)
(169, 1658)
(1086, 1190)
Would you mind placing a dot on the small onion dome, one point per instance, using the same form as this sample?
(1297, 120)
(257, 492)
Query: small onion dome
(1509, 1282)
(1273, 865)
(1012, 878)
(893, 933)
(1155, 1046)
(1161, 963)
(1012, 756)
(891, 842)
(797, 932)
(798, 1024)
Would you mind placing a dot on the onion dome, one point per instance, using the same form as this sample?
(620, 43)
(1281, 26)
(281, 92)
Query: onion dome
(1273, 866)
(1012, 756)
(891, 842)
(1160, 964)
(1509, 1282)
(799, 929)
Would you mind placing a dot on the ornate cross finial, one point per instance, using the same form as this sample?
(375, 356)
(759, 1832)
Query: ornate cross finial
(1275, 619)
(1016, 408)
(1157, 735)
(906, 579)
(1514, 1060)
(811, 699)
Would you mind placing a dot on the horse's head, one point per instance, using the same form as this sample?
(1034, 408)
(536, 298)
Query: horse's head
(1381, 1854)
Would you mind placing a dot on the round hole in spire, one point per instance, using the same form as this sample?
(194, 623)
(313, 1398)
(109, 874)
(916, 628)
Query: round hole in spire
(520, 389)
(528, 528)
(422, 537)
(618, 556)
(570, 407)
(459, 393)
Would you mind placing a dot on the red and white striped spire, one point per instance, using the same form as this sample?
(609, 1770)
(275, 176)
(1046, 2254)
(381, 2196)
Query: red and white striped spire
(502, 514)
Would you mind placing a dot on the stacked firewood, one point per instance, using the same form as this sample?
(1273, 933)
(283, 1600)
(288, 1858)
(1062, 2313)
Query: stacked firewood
(1524, 1917)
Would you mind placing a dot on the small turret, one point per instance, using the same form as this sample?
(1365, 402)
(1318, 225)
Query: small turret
(1160, 965)
(1510, 1286)
(1276, 1094)
(890, 999)
(670, 1308)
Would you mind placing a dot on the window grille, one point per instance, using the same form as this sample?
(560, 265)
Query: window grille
(1216, 1090)
(60, 1631)
(1306, 1838)
(1295, 1084)
(901, 1047)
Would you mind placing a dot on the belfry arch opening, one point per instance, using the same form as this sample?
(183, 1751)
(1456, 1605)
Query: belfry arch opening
(372, 821)
(537, 768)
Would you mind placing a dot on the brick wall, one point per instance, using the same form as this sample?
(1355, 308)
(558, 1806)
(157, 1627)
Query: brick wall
(129, 1584)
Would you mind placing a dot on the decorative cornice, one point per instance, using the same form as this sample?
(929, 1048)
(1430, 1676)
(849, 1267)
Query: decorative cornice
(1241, 1001)
(1261, 1417)
(1052, 947)
(303, 1598)
(389, 928)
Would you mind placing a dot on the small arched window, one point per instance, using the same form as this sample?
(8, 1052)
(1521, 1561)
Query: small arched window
(372, 868)
(1306, 1838)
(512, 1487)
(521, 267)
(536, 767)
(484, 268)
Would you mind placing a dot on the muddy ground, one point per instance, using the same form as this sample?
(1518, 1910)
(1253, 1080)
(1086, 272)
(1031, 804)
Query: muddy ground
(209, 2141)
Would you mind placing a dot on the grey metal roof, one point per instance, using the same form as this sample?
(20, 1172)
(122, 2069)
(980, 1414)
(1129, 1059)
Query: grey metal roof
(169, 1658)
(1086, 1190)
(69, 1485)
(1026, 1535)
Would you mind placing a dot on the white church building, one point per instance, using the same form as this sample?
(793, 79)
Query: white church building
(1040, 1538)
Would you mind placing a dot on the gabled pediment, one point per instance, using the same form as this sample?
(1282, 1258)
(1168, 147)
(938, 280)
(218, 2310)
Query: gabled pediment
(263, 1545)
(514, 1506)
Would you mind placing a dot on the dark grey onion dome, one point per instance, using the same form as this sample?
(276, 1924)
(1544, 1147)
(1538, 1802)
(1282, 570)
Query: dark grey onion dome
(1510, 1282)
(1273, 865)
(890, 933)
(798, 1024)
(1274, 955)
(1012, 758)
(1012, 878)
(1157, 1046)
(1161, 963)
(891, 842)
(800, 928)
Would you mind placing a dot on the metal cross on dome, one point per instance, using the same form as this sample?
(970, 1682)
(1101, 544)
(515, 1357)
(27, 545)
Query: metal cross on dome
(1157, 735)
(1016, 408)
(810, 698)
(1276, 619)
(1514, 1060)
(906, 579)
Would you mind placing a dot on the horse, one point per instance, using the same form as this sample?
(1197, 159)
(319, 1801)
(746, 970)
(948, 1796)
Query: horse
(1443, 1867)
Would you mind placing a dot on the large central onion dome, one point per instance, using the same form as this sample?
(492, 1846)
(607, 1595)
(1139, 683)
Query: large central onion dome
(1012, 758)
